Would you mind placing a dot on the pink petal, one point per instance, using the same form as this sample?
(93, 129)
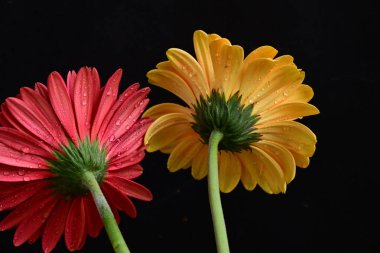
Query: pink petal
(75, 230)
(120, 200)
(134, 134)
(41, 89)
(43, 111)
(36, 125)
(13, 157)
(24, 143)
(94, 222)
(108, 98)
(36, 235)
(128, 160)
(70, 80)
(25, 209)
(28, 227)
(126, 116)
(60, 100)
(11, 121)
(3, 121)
(129, 187)
(129, 172)
(12, 197)
(20, 174)
(85, 94)
(122, 98)
(55, 225)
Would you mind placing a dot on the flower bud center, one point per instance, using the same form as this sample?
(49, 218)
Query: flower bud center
(234, 120)
(72, 162)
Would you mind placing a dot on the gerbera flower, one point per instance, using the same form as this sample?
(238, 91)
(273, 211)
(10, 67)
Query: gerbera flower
(240, 114)
(252, 101)
(58, 143)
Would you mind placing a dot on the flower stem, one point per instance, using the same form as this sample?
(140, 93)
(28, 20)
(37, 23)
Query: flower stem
(214, 194)
(106, 214)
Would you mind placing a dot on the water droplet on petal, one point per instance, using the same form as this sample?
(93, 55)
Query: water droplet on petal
(84, 102)
(112, 138)
(84, 94)
(109, 92)
(25, 150)
(26, 179)
(6, 173)
(285, 94)
(300, 117)
(118, 122)
(21, 172)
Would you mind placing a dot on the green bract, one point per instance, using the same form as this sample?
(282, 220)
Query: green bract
(229, 117)
(72, 162)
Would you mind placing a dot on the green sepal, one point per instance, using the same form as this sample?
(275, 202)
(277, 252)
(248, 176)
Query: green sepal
(235, 121)
(73, 161)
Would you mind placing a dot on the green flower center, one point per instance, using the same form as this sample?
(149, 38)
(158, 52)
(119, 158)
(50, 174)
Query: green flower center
(72, 162)
(235, 121)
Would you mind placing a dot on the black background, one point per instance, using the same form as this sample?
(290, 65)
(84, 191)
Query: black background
(329, 207)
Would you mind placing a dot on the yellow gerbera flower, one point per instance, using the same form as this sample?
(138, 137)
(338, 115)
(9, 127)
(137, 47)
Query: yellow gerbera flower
(252, 101)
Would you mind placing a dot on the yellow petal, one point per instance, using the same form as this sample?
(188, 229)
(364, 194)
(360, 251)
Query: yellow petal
(282, 156)
(278, 85)
(271, 178)
(173, 83)
(212, 37)
(167, 121)
(284, 60)
(292, 135)
(261, 52)
(184, 152)
(249, 170)
(303, 94)
(190, 71)
(253, 77)
(301, 160)
(227, 68)
(200, 163)
(286, 112)
(202, 51)
(216, 57)
(159, 110)
(229, 171)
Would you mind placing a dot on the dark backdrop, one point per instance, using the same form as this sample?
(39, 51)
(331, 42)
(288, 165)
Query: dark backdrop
(331, 206)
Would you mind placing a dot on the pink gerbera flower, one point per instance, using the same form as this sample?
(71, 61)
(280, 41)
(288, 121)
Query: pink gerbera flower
(50, 137)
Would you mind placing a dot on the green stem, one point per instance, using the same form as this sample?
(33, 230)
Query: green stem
(106, 214)
(214, 194)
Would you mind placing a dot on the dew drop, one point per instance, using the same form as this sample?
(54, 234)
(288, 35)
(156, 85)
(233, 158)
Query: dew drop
(21, 172)
(84, 94)
(300, 147)
(6, 173)
(183, 67)
(25, 150)
(26, 179)
(118, 122)
(190, 75)
(300, 117)
(251, 101)
(84, 102)
(275, 102)
(285, 94)
(109, 92)
(112, 138)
